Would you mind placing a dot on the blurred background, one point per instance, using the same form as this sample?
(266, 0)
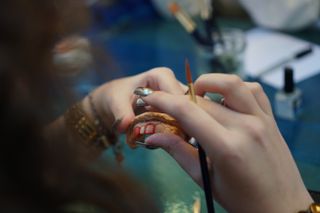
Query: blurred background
(254, 39)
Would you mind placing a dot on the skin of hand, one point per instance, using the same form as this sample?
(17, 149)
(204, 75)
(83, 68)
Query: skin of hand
(251, 167)
(115, 100)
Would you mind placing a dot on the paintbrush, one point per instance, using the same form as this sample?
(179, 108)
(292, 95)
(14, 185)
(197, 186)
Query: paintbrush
(206, 16)
(202, 154)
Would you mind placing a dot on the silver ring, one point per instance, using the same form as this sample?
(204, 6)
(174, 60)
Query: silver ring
(140, 103)
(142, 91)
(193, 142)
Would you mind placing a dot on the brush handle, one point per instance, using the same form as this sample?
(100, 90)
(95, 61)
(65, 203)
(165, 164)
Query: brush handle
(206, 179)
(202, 154)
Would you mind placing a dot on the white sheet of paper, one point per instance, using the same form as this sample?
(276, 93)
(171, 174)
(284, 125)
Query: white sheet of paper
(266, 48)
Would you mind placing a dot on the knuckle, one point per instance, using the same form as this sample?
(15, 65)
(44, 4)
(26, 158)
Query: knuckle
(161, 70)
(234, 81)
(182, 106)
(255, 129)
(202, 78)
(167, 70)
(256, 88)
(230, 157)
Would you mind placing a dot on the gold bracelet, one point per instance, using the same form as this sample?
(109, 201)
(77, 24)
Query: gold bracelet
(81, 125)
(110, 133)
(92, 133)
(313, 208)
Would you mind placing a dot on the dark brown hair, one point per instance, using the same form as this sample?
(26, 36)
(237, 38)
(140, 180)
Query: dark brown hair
(37, 175)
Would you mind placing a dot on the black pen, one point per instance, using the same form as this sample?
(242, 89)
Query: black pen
(300, 54)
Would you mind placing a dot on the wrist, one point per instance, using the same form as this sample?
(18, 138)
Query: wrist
(97, 107)
(300, 202)
(87, 125)
(92, 105)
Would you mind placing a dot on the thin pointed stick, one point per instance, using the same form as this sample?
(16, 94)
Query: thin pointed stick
(202, 154)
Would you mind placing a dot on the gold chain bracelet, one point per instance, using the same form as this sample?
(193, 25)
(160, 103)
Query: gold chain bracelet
(90, 132)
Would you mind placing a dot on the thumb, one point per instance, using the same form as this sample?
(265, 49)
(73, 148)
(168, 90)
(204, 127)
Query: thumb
(185, 154)
(123, 114)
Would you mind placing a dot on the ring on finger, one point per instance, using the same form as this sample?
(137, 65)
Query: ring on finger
(142, 91)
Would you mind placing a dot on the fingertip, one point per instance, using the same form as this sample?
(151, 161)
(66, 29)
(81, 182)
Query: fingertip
(149, 98)
(162, 140)
(198, 89)
(154, 139)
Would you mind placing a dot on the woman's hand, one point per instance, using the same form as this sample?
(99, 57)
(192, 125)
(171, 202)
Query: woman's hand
(252, 169)
(115, 100)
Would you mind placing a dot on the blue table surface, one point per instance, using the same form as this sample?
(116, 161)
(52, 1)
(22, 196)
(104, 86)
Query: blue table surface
(139, 47)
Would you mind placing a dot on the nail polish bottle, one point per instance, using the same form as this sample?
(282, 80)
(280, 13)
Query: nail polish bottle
(288, 100)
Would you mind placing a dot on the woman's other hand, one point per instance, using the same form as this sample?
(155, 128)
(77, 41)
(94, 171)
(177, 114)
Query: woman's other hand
(115, 100)
(251, 167)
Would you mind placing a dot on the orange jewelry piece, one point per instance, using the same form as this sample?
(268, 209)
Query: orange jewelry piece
(313, 208)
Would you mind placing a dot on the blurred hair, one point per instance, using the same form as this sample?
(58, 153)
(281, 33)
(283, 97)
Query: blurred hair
(37, 175)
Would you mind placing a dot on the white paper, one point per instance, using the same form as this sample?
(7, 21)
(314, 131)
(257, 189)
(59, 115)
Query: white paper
(304, 68)
(266, 48)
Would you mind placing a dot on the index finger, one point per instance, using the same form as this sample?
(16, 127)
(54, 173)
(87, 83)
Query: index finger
(195, 121)
(163, 79)
(236, 94)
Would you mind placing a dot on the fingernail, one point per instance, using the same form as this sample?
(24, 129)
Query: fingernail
(146, 145)
(142, 91)
(141, 103)
(148, 138)
(149, 145)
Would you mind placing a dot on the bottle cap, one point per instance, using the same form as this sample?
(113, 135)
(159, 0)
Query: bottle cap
(288, 80)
